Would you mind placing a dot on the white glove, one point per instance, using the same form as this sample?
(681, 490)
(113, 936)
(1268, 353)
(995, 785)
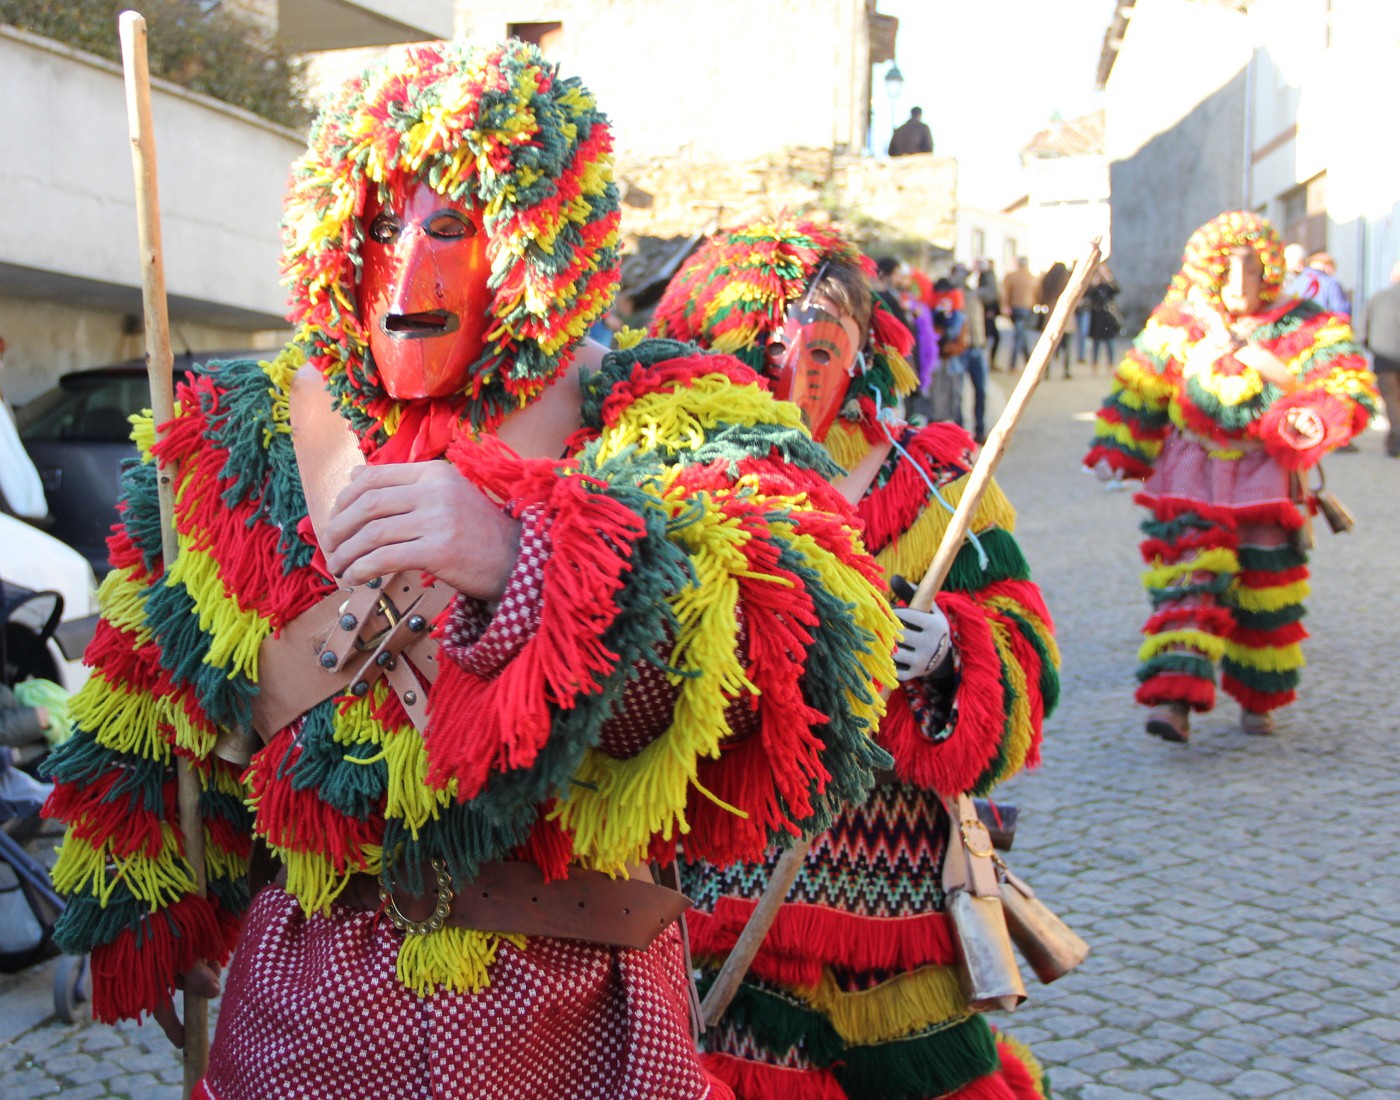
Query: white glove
(924, 645)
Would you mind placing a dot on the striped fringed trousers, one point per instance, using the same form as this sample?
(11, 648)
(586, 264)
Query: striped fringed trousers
(1225, 580)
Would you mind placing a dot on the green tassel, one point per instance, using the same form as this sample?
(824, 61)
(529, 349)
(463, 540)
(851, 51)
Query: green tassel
(932, 1064)
(1191, 664)
(1260, 679)
(1004, 562)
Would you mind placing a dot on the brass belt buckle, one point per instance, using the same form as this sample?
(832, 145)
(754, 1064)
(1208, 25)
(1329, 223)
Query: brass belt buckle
(439, 915)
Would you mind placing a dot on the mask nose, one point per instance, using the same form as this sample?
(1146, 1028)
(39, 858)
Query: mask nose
(416, 281)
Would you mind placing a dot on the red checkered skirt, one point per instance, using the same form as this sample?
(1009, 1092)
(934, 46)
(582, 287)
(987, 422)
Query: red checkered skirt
(312, 1009)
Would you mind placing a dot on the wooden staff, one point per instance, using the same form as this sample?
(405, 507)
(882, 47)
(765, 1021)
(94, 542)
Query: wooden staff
(775, 893)
(160, 368)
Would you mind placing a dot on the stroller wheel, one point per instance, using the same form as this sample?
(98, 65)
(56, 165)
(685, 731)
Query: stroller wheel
(72, 986)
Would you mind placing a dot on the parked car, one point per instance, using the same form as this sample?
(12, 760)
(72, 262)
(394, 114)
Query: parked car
(79, 433)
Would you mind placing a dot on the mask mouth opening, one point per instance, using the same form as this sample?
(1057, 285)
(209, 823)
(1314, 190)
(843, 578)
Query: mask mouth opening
(419, 326)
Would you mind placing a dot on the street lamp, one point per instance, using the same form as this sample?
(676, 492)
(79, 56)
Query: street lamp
(894, 84)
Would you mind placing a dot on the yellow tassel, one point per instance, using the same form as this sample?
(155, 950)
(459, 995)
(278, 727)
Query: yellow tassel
(1218, 559)
(409, 798)
(1206, 644)
(1018, 727)
(1282, 658)
(235, 634)
(846, 445)
(912, 1002)
(457, 959)
(1275, 598)
(313, 880)
(219, 863)
(81, 868)
(122, 598)
(121, 720)
(905, 380)
(1037, 625)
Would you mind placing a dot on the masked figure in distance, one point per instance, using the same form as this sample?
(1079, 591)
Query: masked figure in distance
(855, 991)
(1228, 398)
(507, 615)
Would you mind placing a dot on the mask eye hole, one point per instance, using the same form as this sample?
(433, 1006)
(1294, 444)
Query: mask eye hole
(776, 350)
(449, 225)
(385, 228)
(821, 356)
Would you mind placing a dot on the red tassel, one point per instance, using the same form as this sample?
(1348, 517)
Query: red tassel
(1210, 618)
(118, 822)
(1287, 634)
(1024, 1084)
(759, 1081)
(1177, 687)
(548, 847)
(136, 971)
(1261, 702)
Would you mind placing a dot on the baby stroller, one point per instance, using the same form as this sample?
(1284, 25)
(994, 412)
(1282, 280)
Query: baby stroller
(29, 906)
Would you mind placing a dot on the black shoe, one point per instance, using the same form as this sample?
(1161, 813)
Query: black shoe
(1171, 722)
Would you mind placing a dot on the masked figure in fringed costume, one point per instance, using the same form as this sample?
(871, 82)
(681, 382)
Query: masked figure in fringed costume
(854, 993)
(652, 616)
(1230, 395)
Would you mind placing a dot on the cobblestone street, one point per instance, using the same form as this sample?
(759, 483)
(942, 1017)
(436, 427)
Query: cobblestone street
(1239, 893)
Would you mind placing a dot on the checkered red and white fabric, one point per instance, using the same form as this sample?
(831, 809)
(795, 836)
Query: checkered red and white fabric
(313, 1011)
(482, 641)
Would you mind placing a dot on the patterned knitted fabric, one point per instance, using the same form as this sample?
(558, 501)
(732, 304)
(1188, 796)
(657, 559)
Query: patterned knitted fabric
(854, 991)
(692, 501)
(1159, 386)
(497, 127)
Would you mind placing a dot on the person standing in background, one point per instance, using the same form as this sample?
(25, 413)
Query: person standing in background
(1104, 324)
(1052, 285)
(991, 307)
(974, 358)
(1018, 296)
(913, 137)
(1380, 332)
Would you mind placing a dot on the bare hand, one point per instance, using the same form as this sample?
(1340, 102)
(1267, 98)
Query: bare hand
(201, 980)
(1303, 428)
(421, 516)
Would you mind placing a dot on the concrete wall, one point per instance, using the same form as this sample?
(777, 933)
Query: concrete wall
(1004, 237)
(1175, 103)
(69, 269)
(726, 79)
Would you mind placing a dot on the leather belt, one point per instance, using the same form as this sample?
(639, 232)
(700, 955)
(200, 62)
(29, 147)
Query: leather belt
(513, 897)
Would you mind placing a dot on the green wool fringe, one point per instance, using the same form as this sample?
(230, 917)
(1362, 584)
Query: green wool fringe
(779, 1023)
(86, 923)
(1273, 559)
(934, 1063)
(1269, 620)
(1005, 562)
(1049, 682)
(1216, 586)
(1190, 664)
(995, 771)
(1261, 679)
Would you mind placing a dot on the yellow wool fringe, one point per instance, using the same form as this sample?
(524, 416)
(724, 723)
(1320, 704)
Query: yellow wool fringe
(905, 380)
(235, 634)
(1119, 433)
(219, 863)
(313, 880)
(846, 445)
(83, 869)
(409, 798)
(1200, 641)
(910, 554)
(1218, 559)
(1018, 727)
(122, 598)
(1282, 658)
(457, 959)
(663, 417)
(121, 720)
(279, 378)
(917, 1001)
(1275, 598)
(615, 806)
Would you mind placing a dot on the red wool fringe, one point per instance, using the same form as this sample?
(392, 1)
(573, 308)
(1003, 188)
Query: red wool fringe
(1026, 656)
(136, 972)
(1024, 1084)
(298, 820)
(1287, 634)
(479, 725)
(769, 776)
(1123, 464)
(548, 846)
(672, 374)
(1025, 593)
(1175, 687)
(813, 936)
(1211, 618)
(119, 822)
(944, 452)
(1283, 443)
(953, 766)
(1258, 701)
(758, 1081)
(1263, 578)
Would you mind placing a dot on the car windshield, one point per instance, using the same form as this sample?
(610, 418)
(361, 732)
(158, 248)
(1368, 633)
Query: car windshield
(92, 407)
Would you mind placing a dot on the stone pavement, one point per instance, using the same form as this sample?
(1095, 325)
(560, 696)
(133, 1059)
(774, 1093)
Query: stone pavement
(1239, 893)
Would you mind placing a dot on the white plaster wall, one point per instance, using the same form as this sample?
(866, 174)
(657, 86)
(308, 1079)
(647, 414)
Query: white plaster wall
(1175, 53)
(727, 79)
(68, 170)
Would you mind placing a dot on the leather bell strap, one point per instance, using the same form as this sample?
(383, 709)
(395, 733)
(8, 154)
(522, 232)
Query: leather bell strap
(511, 897)
(967, 864)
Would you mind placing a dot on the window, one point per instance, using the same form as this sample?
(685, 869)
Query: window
(979, 243)
(1303, 214)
